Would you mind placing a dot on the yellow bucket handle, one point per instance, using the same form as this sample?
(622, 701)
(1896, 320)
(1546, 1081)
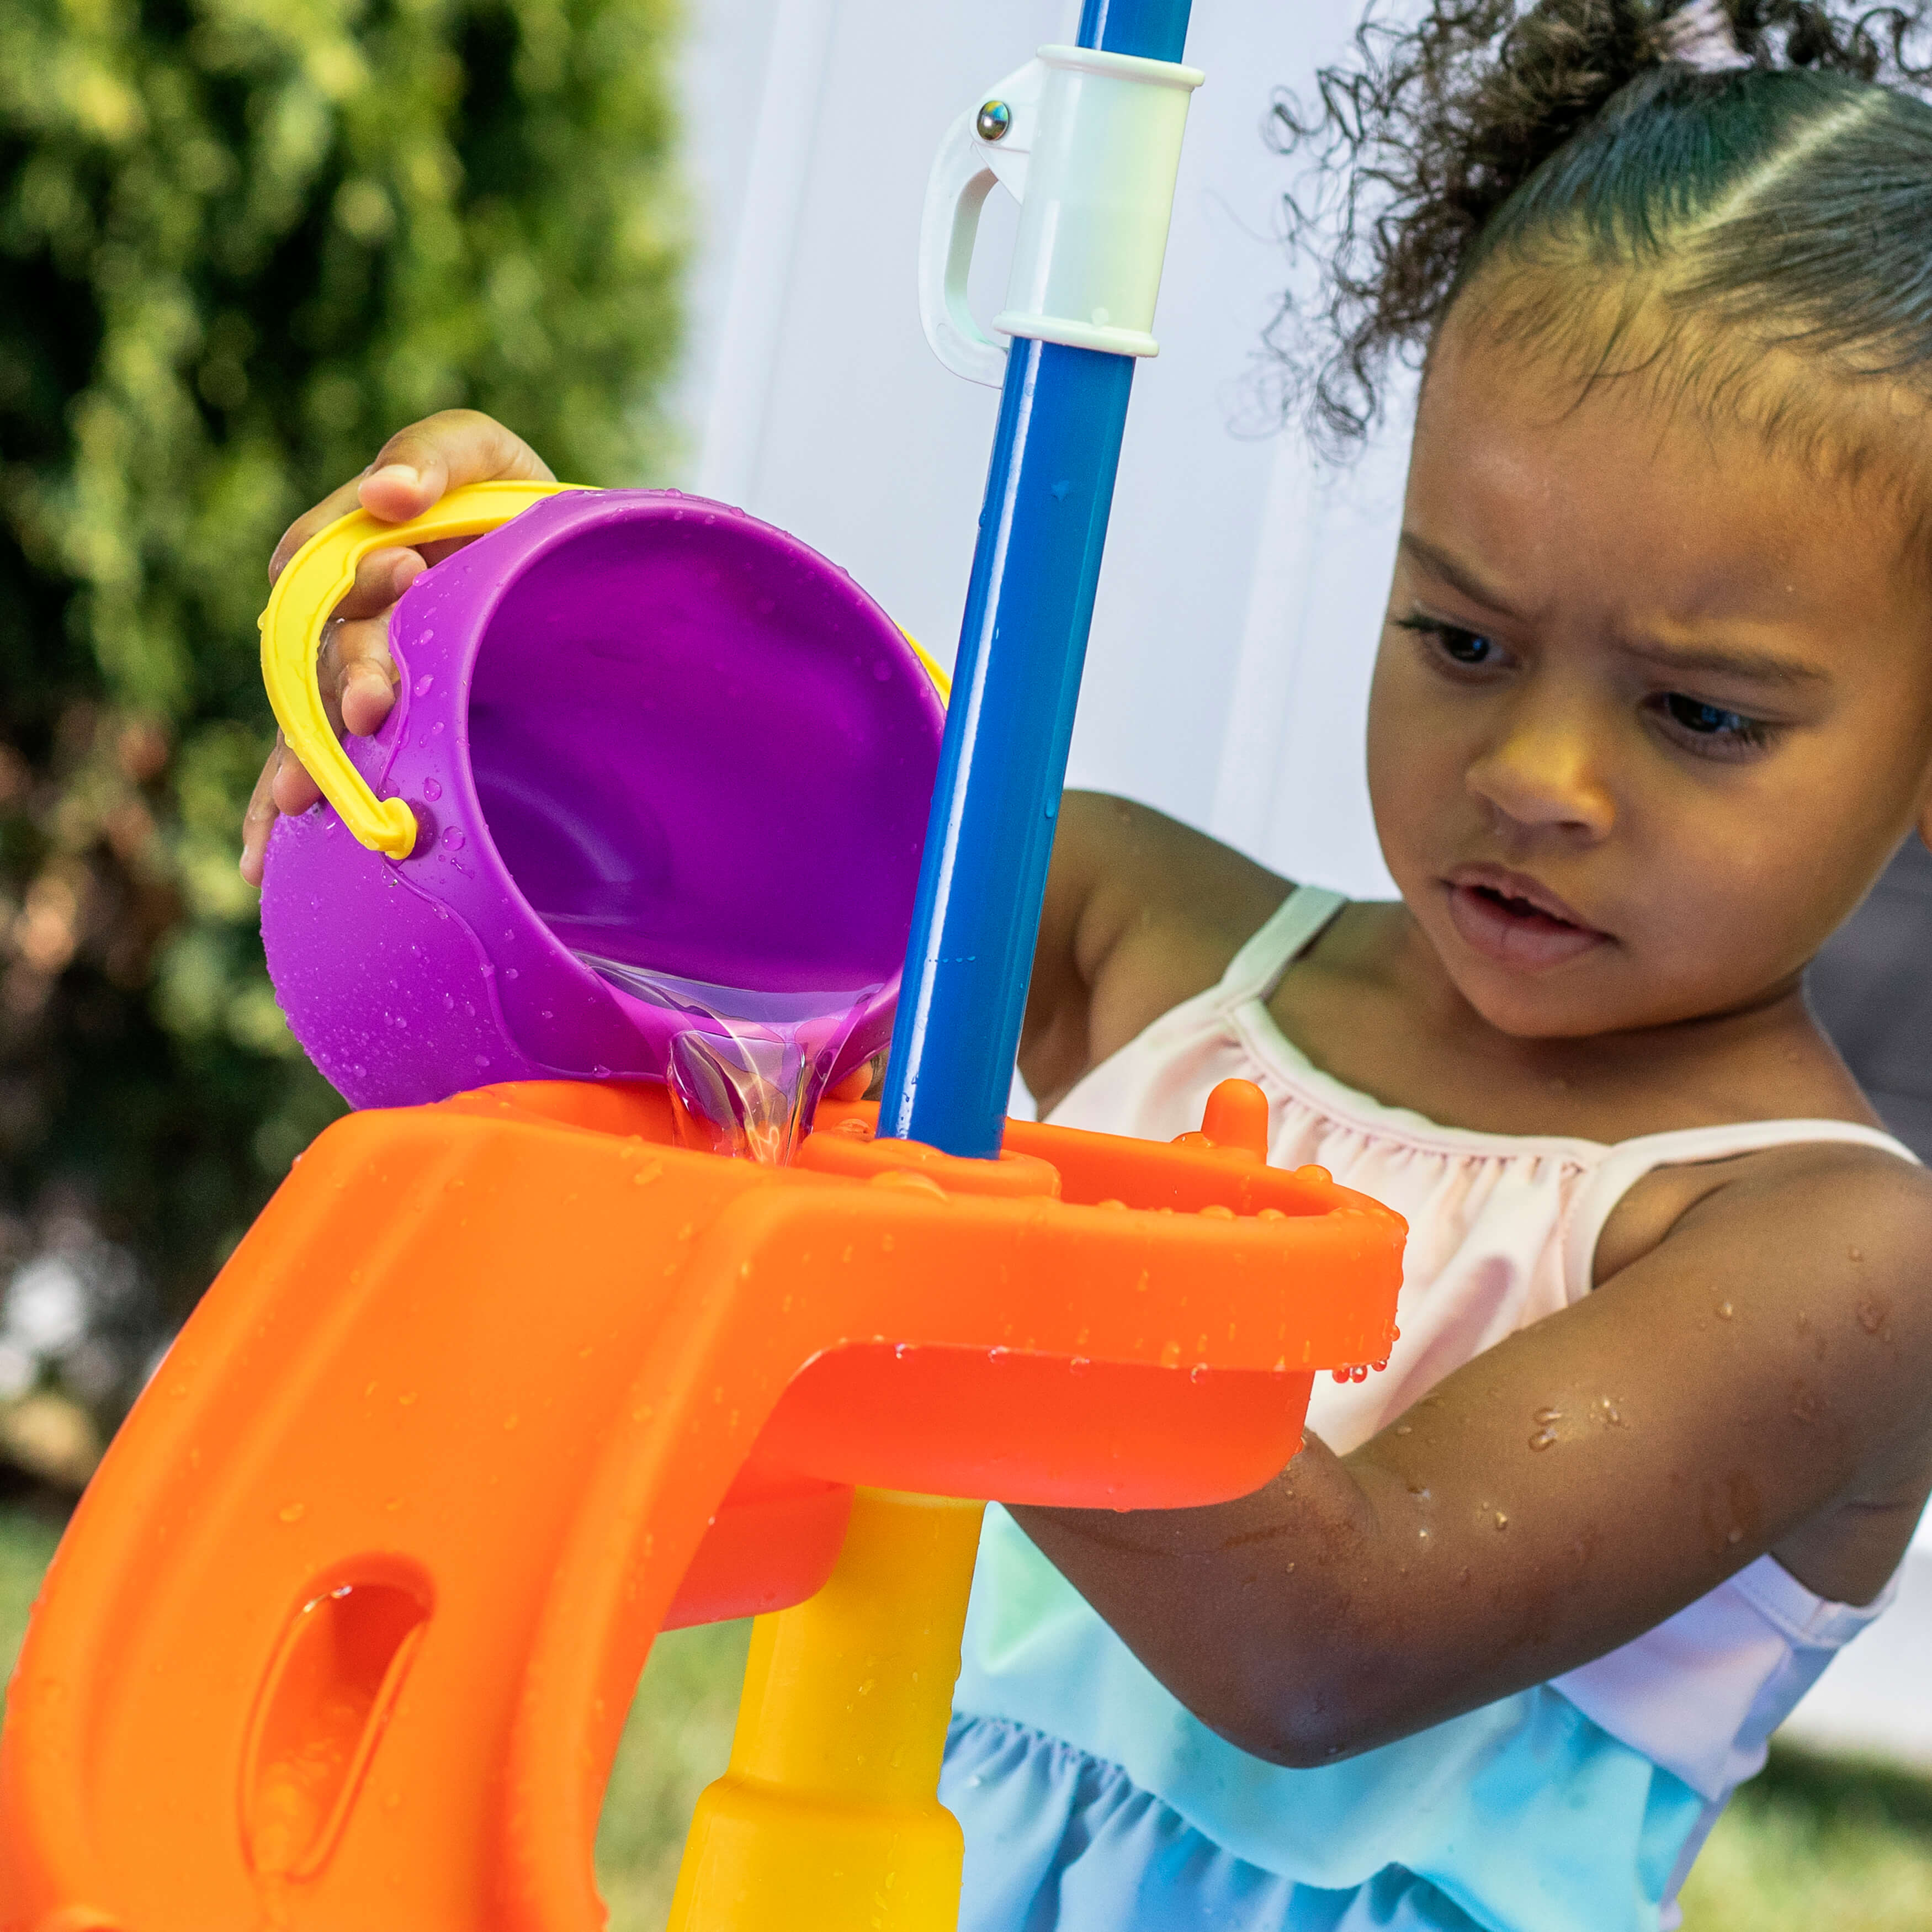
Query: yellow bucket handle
(317, 579)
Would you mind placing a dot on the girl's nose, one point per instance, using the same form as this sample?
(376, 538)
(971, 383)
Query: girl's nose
(1540, 777)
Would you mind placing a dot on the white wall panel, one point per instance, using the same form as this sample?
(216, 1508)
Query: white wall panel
(820, 407)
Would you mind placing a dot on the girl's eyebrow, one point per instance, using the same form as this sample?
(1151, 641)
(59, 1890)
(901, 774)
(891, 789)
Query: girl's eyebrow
(1727, 661)
(1715, 660)
(1459, 576)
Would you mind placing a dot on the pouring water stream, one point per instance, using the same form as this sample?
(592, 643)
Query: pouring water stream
(746, 1076)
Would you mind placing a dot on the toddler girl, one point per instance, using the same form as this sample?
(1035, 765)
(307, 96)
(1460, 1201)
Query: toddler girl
(1652, 707)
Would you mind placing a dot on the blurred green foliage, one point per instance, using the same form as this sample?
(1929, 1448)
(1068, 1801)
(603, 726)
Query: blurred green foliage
(240, 243)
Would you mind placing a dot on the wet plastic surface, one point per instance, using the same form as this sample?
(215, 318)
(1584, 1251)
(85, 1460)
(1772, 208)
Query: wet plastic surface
(569, 1384)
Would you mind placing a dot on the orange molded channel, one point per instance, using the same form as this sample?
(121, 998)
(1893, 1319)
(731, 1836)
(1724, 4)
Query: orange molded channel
(343, 1633)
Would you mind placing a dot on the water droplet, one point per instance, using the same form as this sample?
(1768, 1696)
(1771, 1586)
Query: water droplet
(1502, 1521)
(1079, 1365)
(1340, 1375)
(1543, 1439)
(1871, 1315)
(1269, 1214)
(1547, 1416)
(432, 790)
(509, 972)
(600, 1072)
(1198, 1373)
(902, 1350)
(548, 1015)
(292, 1512)
(422, 684)
(1110, 1203)
(453, 840)
(1724, 1311)
(482, 1059)
(435, 730)
(1214, 1211)
(1359, 1374)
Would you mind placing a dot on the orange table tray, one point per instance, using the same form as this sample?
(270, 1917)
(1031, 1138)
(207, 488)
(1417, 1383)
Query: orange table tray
(344, 1633)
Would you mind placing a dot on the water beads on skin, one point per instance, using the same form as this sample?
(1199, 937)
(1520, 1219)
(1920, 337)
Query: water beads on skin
(745, 1076)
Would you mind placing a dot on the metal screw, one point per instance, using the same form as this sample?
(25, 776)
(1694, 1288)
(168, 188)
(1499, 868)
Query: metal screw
(995, 118)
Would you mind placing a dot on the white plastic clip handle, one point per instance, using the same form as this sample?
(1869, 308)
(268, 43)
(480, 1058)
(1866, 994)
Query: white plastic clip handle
(966, 171)
(1089, 144)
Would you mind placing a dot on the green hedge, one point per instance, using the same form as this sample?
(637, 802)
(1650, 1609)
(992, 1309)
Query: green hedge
(239, 243)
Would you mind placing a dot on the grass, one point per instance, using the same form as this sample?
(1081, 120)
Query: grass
(25, 1544)
(676, 1741)
(1816, 1843)
(1813, 1843)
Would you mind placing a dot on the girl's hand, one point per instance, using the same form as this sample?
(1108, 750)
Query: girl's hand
(412, 471)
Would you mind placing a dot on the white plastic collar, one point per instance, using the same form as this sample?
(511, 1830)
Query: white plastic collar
(1091, 151)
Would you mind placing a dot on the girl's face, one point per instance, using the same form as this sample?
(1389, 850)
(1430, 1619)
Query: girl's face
(1653, 704)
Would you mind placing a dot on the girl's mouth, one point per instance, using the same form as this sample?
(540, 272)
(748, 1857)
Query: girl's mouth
(1495, 914)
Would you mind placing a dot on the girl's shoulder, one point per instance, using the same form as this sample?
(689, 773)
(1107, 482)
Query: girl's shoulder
(1142, 912)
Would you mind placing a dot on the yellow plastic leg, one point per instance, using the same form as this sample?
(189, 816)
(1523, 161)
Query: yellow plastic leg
(828, 1819)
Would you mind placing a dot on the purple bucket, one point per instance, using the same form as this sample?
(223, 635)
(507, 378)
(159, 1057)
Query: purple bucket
(631, 723)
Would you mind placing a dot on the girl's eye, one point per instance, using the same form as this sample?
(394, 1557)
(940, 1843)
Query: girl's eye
(1468, 648)
(1710, 725)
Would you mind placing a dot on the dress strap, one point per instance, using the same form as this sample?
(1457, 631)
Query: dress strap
(1294, 925)
(1629, 1161)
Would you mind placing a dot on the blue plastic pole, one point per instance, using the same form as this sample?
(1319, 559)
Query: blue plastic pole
(1015, 682)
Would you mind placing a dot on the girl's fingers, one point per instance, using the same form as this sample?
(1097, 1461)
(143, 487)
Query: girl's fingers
(291, 789)
(358, 675)
(418, 464)
(381, 578)
(415, 468)
(337, 503)
(258, 821)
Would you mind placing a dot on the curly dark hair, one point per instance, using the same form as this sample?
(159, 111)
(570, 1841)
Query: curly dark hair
(1559, 147)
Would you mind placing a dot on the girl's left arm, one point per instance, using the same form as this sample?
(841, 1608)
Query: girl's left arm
(1760, 1380)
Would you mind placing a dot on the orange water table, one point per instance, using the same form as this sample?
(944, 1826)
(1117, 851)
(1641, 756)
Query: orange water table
(342, 1637)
